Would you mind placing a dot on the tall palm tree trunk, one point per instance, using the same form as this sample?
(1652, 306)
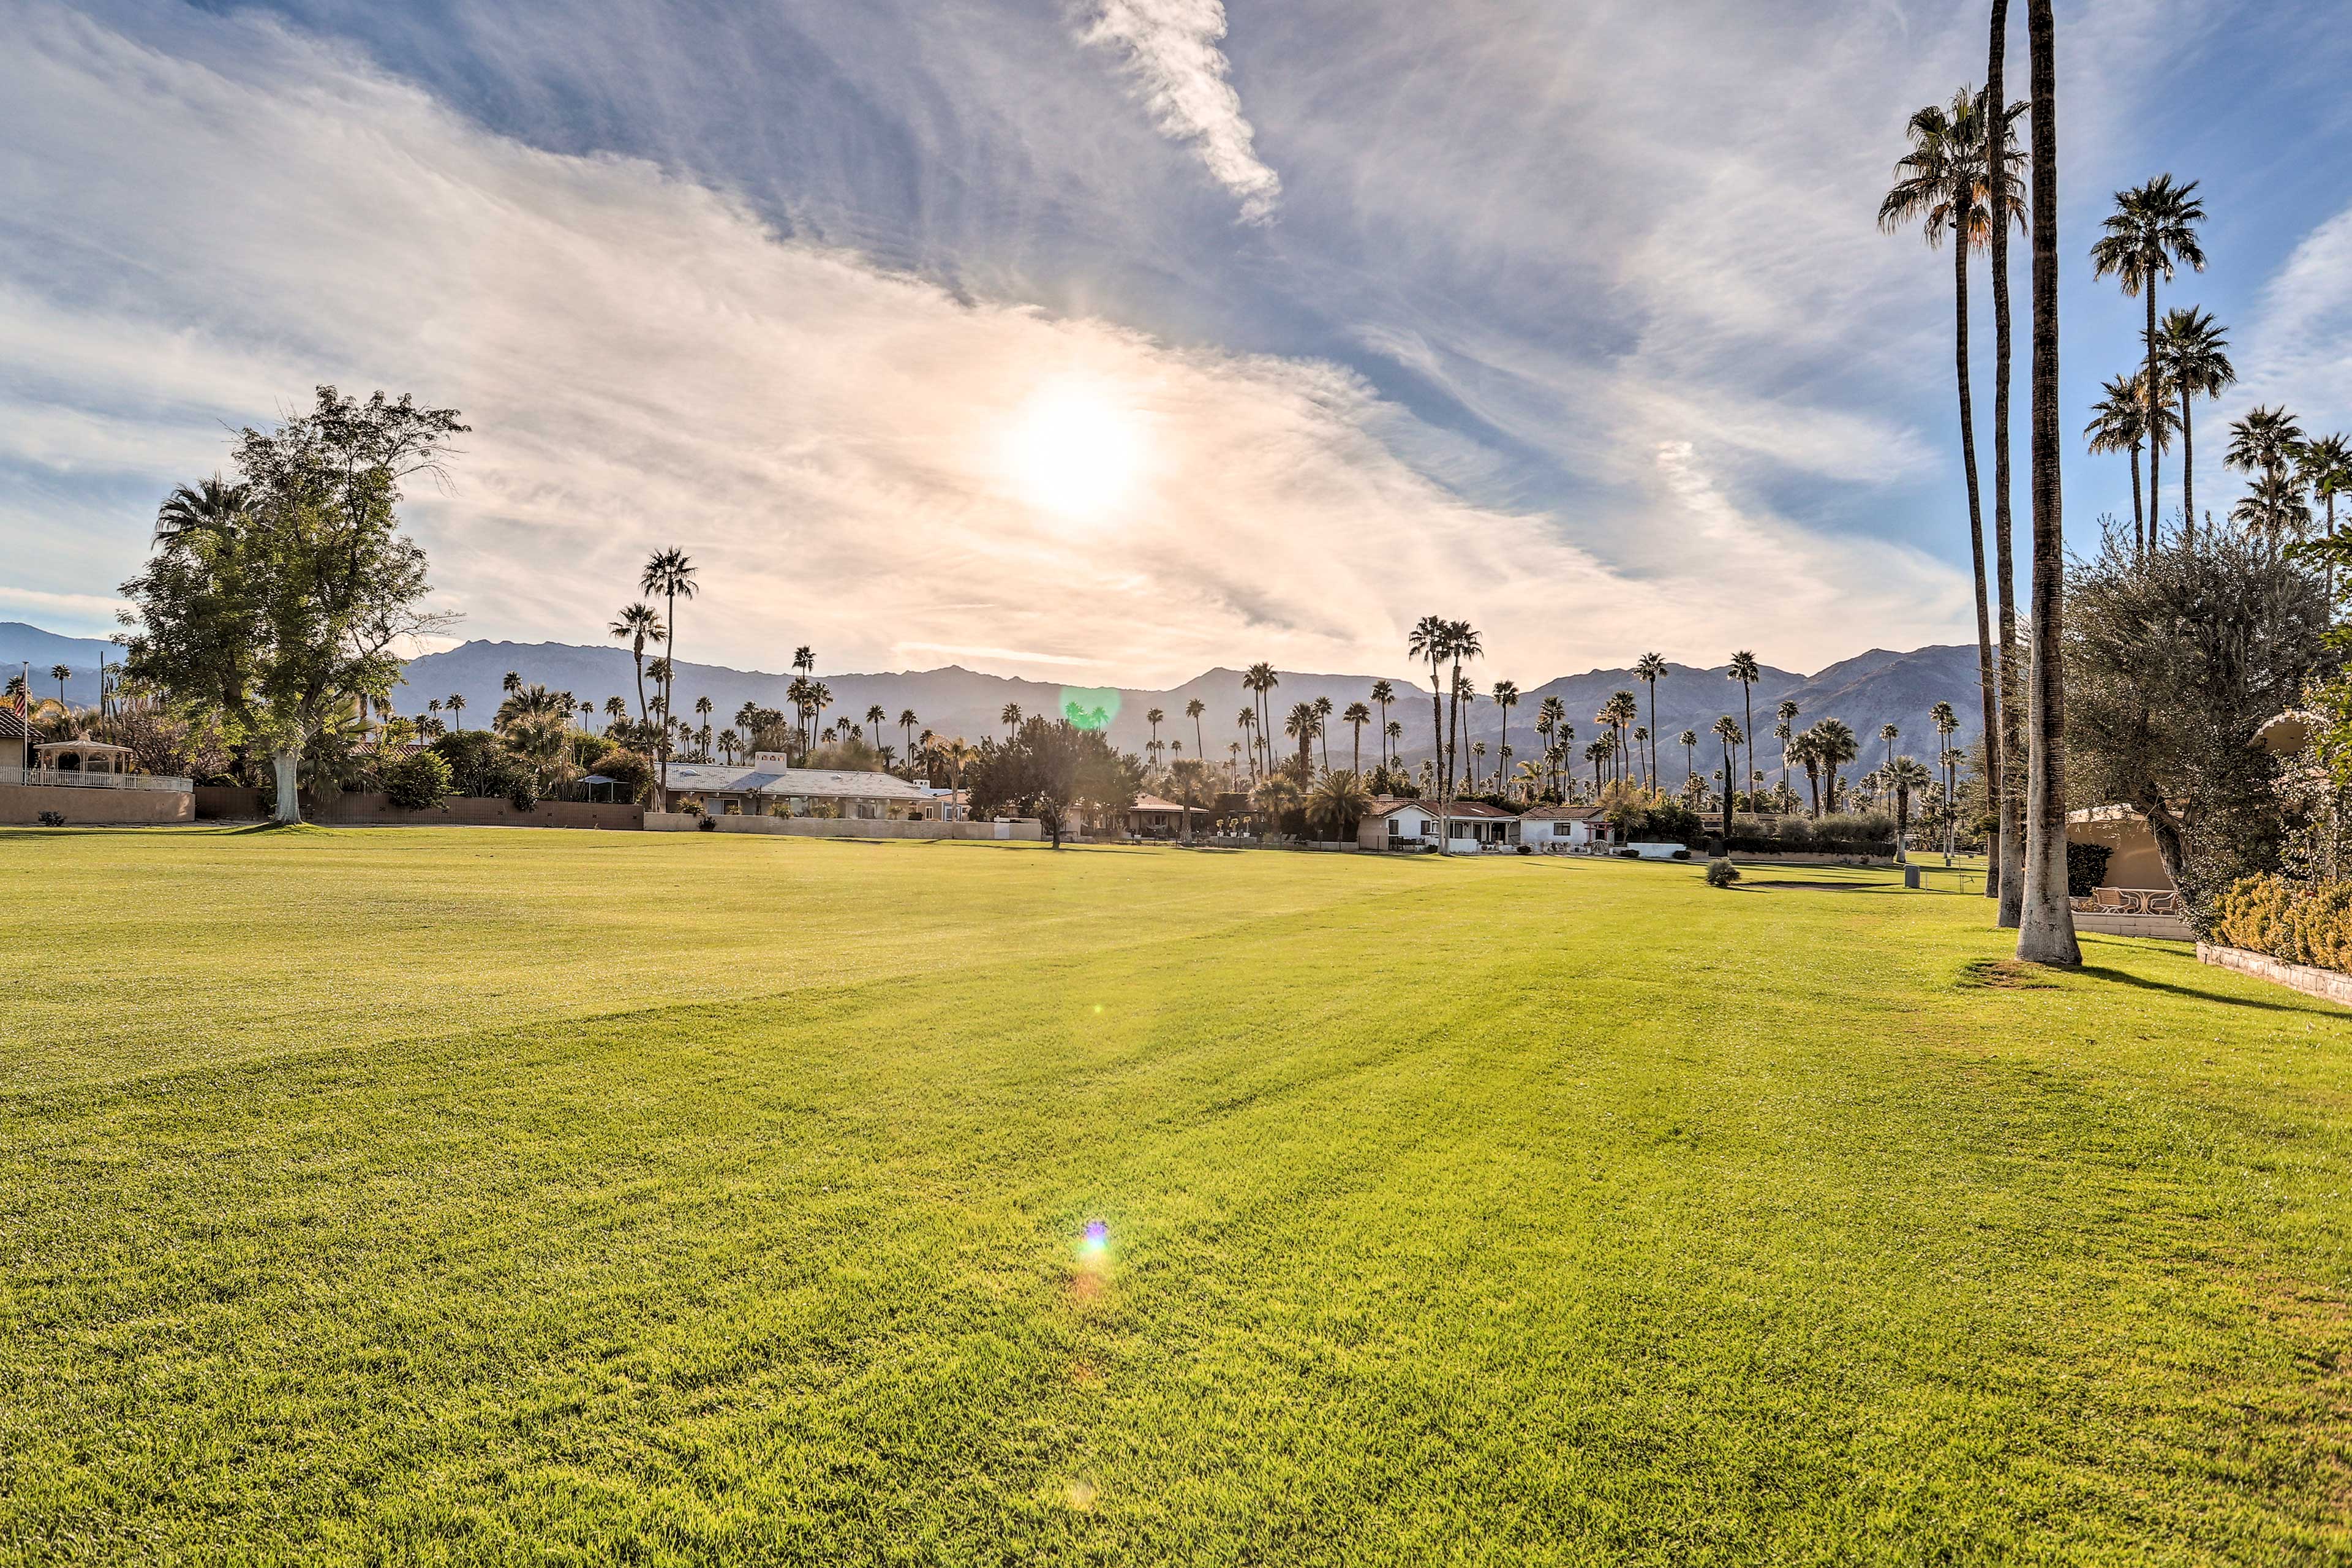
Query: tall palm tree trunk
(1984, 679)
(2139, 522)
(2010, 858)
(2046, 934)
(2188, 468)
(2154, 398)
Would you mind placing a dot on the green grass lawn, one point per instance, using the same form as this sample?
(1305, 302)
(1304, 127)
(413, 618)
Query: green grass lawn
(445, 1194)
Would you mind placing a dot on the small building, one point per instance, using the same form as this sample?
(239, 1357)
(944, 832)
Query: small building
(1155, 816)
(1415, 824)
(1564, 826)
(17, 740)
(768, 786)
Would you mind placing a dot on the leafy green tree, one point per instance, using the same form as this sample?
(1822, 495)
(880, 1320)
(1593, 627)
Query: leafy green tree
(2173, 663)
(290, 613)
(1048, 768)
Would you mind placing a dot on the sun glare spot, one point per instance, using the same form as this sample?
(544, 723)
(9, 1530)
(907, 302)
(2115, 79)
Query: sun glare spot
(1075, 451)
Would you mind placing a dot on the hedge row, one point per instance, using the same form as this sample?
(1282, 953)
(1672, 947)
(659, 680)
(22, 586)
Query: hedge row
(1769, 844)
(2297, 922)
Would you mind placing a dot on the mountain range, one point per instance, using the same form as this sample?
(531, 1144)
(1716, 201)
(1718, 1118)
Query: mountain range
(1867, 691)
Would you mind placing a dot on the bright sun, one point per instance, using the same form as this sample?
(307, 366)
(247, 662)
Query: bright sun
(1075, 451)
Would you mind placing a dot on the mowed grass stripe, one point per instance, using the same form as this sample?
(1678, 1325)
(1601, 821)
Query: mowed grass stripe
(1504, 1213)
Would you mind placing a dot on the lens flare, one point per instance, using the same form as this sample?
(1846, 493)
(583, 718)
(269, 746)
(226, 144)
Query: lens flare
(1090, 707)
(1098, 1239)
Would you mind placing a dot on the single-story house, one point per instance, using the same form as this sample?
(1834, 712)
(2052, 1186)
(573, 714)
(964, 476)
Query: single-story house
(1411, 824)
(1154, 816)
(767, 786)
(1564, 826)
(15, 740)
(2132, 859)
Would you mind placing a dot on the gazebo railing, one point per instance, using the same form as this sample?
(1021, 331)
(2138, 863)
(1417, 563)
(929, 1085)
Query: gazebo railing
(75, 780)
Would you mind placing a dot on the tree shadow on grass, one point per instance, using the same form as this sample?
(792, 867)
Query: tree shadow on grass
(2140, 982)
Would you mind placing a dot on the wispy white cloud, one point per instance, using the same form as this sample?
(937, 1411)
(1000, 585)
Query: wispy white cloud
(1172, 55)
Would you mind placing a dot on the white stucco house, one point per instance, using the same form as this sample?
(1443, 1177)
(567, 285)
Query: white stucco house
(1563, 826)
(1415, 824)
(768, 785)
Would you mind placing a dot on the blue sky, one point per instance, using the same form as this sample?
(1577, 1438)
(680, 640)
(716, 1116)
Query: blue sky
(1117, 338)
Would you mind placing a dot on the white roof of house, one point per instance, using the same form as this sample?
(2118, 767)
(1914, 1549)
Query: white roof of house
(762, 778)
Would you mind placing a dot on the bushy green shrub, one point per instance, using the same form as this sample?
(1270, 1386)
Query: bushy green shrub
(626, 769)
(1721, 873)
(418, 780)
(2086, 868)
(2299, 923)
(480, 768)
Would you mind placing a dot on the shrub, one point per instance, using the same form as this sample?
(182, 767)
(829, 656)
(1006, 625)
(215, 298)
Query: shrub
(1526, 849)
(480, 768)
(1682, 854)
(1629, 854)
(53, 819)
(2299, 924)
(2086, 868)
(707, 824)
(625, 768)
(416, 781)
(522, 792)
(1721, 873)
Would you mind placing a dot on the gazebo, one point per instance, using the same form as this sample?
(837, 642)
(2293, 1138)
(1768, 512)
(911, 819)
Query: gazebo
(84, 757)
(595, 782)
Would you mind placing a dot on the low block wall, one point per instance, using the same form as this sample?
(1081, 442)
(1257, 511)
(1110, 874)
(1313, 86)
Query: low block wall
(21, 804)
(1022, 829)
(228, 802)
(466, 811)
(2324, 984)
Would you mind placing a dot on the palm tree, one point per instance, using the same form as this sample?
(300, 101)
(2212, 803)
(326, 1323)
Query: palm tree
(1234, 762)
(2273, 508)
(1506, 697)
(1302, 724)
(1188, 777)
(1337, 803)
(2151, 233)
(1887, 733)
(1727, 730)
(1393, 733)
(1427, 640)
(456, 703)
(1383, 694)
(2122, 421)
(1747, 672)
(58, 672)
(1649, 669)
(1596, 751)
(1246, 720)
(1009, 717)
(1462, 642)
(511, 684)
(1834, 745)
(1260, 680)
(1276, 794)
(638, 625)
(1688, 739)
(1357, 716)
(1477, 755)
(671, 574)
(1155, 718)
(2324, 468)
(1323, 728)
(1945, 722)
(1192, 710)
(212, 507)
(2195, 363)
(907, 723)
(2264, 442)
(1944, 182)
(2046, 922)
(1905, 777)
